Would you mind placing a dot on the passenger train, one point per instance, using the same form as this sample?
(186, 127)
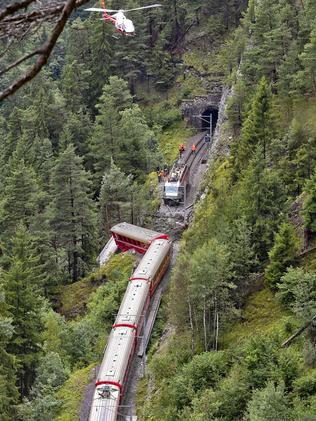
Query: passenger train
(122, 342)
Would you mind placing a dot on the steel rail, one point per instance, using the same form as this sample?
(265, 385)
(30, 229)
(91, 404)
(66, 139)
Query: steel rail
(193, 155)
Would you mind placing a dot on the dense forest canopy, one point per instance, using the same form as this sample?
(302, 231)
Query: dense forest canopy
(79, 147)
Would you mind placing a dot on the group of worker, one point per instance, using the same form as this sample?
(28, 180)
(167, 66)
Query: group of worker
(162, 173)
(182, 148)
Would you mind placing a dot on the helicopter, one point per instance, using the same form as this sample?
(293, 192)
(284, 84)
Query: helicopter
(119, 20)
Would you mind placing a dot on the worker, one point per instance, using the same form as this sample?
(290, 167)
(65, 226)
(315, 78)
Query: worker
(181, 149)
(193, 148)
(161, 175)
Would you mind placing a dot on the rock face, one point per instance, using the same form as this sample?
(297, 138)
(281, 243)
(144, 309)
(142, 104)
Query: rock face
(223, 136)
(201, 109)
(194, 109)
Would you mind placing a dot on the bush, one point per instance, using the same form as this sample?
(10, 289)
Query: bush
(282, 253)
(305, 386)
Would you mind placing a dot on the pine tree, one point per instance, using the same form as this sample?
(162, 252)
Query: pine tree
(257, 129)
(269, 404)
(114, 201)
(20, 202)
(307, 77)
(75, 85)
(297, 289)
(76, 131)
(21, 284)
(44, 164)
(262, 200)
(137, 148)
(8, 390)
(309, 208)
(105, 141)
(282, 253)
(72, 212)
(45, 112)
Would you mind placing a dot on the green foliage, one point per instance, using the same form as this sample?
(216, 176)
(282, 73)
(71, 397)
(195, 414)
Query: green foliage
(257, 129)
(137, 148)
(282, 253)
(75, 297)
(21, 285)
(203, 371)
(114, 200)
(309, 209)
(305, 386)
(8, 390)
(72, 393)
(269, 404)
(262, 200)
(72, 213)
(105, 140)
(20, 198)
(297, 290)
(170, 139)
(262, 314)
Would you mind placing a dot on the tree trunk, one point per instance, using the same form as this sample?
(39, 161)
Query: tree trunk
(191, 327)
(217, 329)
(204, 325)
(298, 332)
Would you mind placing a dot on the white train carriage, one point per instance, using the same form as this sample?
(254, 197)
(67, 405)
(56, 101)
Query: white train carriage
(129, 236)
(122, 341)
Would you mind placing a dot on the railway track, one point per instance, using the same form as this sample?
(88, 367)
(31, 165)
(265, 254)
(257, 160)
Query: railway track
(192, 156)
(138, 363)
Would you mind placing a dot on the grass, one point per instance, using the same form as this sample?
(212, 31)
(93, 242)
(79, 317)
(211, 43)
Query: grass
(308, 262)
(262, 314)
(74, 298)
(72, 393)
(141, 395)
(171, 138)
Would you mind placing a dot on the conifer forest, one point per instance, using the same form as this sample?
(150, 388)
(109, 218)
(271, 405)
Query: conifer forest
(87, 116)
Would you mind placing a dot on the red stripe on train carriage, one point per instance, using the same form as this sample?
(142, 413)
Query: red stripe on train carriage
(139, 279)
(129, 325)
(160, 237)
(112, 383)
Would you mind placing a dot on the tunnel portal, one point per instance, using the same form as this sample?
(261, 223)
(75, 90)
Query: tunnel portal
(209, 114)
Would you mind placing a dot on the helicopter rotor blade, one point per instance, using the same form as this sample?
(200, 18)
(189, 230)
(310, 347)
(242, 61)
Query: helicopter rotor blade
(144, 7)
(96, 9)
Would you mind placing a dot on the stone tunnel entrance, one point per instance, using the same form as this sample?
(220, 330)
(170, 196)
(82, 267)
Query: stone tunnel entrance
(209, 115)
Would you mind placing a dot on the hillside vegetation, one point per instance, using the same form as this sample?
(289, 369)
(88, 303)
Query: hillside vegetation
(79, 149)
(244, 289)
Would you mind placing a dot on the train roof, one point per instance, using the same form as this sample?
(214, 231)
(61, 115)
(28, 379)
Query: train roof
(136, 233)
(153, 258)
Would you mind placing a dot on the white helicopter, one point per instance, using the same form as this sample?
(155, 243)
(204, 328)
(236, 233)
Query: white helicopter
(121, 23)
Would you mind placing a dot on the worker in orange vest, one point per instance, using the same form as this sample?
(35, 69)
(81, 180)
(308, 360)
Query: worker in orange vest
(193, 148)
(181, 149)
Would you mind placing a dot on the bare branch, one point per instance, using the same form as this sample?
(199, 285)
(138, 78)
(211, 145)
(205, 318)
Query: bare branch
(44, 51)
(12, 8)
(298, 332)
(19, 61)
